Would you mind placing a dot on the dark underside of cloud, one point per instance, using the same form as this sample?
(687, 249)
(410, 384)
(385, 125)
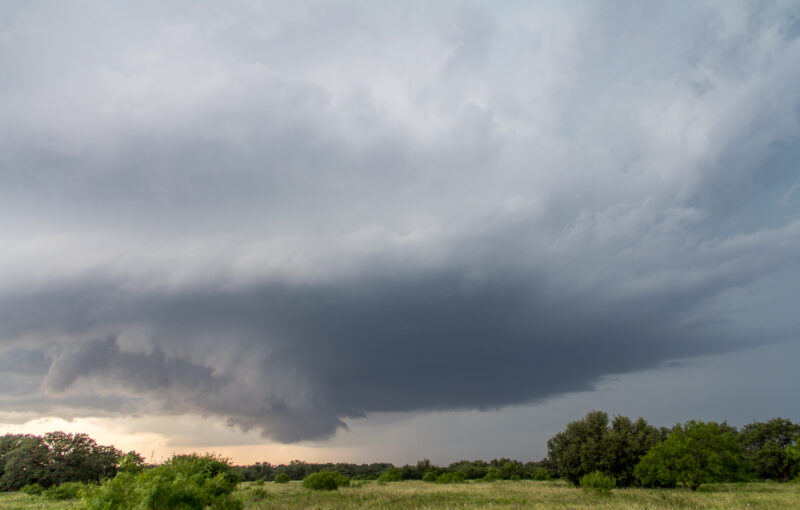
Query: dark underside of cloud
(295, 360)
(292, 215)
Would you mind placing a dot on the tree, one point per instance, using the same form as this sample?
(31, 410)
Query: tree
(590, 445)
(694, 453)
(625, 444)
(77, 457)
(765, 447)
(24, 460)
(578, 450)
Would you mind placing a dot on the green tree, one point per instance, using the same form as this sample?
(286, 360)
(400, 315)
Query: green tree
(694, 453)
(24, 460)
(578, 450)
(590, 445)
(765, 447)
(625, 444)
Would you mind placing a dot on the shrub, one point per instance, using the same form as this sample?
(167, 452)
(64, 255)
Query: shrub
(391, 474)
(66, 490)
(457, 477)
(598, 482)
(444, 478)
(325, 481)
(493, 474)
(514, 478)
(539, 474)
(430, 475)
(33, 489)
(282, 478)
(188, 482)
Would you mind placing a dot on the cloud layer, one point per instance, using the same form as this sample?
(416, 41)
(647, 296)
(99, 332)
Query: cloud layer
(288, 217)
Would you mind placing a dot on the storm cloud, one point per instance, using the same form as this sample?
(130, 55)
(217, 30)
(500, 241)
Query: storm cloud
(292, 216)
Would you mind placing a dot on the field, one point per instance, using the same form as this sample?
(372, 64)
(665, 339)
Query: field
(497, 495)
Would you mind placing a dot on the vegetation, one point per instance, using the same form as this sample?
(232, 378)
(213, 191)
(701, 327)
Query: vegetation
(188, 482)
(499, 495)
(598, 483)
(62, 470)
(768, 448)
(54, 459)
(325, 481)
(695, 453)
(590, 445)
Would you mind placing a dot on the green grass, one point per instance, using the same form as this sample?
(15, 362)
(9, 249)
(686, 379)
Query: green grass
(524, 494)
(20, 501)
(496, 495)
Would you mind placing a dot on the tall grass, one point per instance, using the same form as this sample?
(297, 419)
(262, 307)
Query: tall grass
(497, 495)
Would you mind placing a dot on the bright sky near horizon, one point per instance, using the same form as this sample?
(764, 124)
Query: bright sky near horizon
(383, 231)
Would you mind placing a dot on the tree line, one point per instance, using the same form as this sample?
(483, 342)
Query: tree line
(621, 451)
(631, 453)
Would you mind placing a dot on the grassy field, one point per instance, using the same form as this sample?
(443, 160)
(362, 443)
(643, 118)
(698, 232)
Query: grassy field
(497, 495)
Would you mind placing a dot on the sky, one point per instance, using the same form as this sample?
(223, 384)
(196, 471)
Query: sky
(387, 231)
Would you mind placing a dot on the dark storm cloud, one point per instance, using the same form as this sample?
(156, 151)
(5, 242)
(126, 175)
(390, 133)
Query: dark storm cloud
(289, 218)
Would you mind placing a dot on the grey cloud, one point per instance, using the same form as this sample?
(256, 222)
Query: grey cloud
(287, 220)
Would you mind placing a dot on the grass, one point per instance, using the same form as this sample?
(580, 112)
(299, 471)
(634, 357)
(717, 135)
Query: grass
(20, 501)
(524, 494)
(496, 495)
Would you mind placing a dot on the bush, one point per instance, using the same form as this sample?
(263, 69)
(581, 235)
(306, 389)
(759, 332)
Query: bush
(392, 474)
(33, 489)
(325, 481)
(430, 475)
(493, 474)
(515, 478)
(188, 482)
(457, 477)
(282, 478)
(66, 490)
(598, 482)
(540, 474)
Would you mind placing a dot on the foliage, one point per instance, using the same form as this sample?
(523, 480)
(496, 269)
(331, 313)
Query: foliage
(392, 474)
(66, 490)
(598, 482)
(325, 481)
(694, 453)
(589, 445)
(493, 474)
(186, 481)
(33, 489)
(131, 462)
(767, 446)
(282, 478)
(539, 473)
(55, 458)
(430, 475)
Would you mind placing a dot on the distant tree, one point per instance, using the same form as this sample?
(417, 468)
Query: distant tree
(77, 457)
(391, 474)
(590, 445)
(579, 449)
(694, 453)
(766, 448)
(625, 443)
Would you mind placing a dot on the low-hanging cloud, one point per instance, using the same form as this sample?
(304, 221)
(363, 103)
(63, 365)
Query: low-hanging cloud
(294, 216)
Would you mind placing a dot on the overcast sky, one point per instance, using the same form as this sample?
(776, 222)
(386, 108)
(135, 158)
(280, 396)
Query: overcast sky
(378, 231)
